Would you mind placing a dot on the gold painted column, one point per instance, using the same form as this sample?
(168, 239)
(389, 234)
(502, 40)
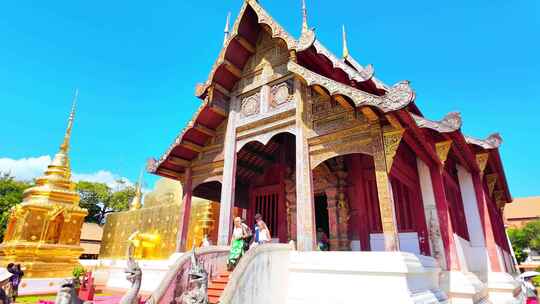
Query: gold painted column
(229, 178)
(183, 224)
(305, 210)
(385, 144)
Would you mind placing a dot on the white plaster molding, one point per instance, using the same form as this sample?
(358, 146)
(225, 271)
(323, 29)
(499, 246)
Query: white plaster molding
(463, 288)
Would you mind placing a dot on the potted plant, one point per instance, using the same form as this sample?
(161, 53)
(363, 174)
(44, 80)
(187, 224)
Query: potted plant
(78, 274)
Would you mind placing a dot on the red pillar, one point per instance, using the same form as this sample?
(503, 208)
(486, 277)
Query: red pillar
(447, 231)
(186, 212)
(487, 225)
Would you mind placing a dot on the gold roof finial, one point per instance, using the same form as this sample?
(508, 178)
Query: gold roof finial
(345, 47)
(227, 28)
(136, 202)
(65, 145)
(304, 17)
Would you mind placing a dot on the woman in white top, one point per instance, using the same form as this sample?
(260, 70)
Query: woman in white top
(262, 233)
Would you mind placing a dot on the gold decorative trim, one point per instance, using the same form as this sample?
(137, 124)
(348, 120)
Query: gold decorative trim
(491, 180)
(391, 139)
(481, 161)
(443, 148)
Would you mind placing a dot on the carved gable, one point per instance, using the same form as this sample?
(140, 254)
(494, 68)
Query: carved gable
(268, 63)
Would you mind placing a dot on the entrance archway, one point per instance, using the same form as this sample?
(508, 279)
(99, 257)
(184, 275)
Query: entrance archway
(262, 175)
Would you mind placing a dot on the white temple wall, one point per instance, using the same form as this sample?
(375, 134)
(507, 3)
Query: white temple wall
(477, 252)
(470, 205)
(463, 249)
(363, 277)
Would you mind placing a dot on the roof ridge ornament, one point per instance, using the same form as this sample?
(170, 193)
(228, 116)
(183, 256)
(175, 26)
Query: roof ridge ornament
(305, 27)
(493, 141)
(345, 47)
(451, 122)
(227, 29)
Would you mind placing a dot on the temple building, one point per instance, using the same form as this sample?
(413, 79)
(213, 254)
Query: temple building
(311, 141)
(43, 232)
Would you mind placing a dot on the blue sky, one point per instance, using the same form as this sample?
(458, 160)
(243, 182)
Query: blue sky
(136, 66)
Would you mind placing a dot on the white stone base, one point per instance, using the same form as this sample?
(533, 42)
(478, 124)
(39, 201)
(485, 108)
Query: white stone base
(463, 288)
(363, 277)
(503, 288)
(45, 286)
(110, 273)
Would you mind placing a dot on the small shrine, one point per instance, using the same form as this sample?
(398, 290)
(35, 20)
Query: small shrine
(43, 232)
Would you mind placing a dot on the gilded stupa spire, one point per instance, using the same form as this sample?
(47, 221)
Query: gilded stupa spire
(65, 145)
(56, 185)
(345, 47)
(304, 17)
(227, 28)
(136, 202)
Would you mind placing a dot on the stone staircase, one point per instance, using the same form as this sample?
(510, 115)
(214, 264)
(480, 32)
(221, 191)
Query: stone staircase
(217, 286)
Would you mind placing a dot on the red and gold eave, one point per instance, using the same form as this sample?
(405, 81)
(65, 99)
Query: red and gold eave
(308, 55)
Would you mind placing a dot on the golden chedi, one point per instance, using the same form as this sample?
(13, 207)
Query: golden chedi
(43, 232)
(152, 228)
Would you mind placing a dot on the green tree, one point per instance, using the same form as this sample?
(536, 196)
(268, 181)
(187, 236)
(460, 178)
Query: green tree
(101, 200)
(11, 193)
(532, 233)
(527, 237)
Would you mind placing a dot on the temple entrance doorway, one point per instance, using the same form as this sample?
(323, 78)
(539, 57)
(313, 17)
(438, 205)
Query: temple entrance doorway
(321, 215)
(262, 173)
(266, 201)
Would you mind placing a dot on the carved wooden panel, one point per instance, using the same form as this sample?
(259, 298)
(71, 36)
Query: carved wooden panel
(353, 140)
(327, 116)
(250, 105)
(281, 93)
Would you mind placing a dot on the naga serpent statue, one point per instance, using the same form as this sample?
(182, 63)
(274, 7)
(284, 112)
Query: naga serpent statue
(133, 275)
(67, 294)
(198, 284)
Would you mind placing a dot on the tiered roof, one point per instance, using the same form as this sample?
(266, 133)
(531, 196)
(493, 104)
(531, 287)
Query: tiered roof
(350, 83)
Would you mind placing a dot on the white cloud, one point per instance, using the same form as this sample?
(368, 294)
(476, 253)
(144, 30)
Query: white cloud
(114, 181)
(29, 168)
(25, 168)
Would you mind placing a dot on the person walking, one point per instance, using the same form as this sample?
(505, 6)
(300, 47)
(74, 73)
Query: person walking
(240, 233)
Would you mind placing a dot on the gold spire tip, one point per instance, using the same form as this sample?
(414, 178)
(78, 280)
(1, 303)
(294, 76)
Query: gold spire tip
(65, 145)
(345, 47)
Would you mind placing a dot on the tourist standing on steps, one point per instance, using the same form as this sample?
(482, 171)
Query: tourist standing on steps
(262, 233)
(240, 232)
(15, 280)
